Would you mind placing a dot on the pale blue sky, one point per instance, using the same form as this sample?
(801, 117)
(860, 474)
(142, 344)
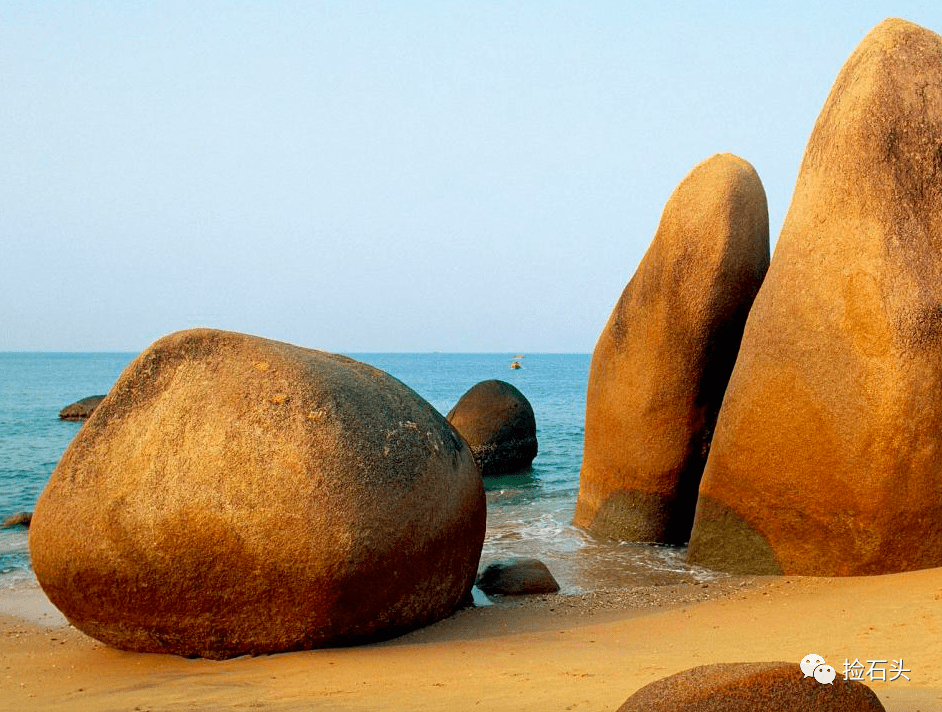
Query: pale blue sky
(388, 176)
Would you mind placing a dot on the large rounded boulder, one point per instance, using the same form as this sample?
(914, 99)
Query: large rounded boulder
(661, 365)
(825, 460)
(238, 495)
(497, 421)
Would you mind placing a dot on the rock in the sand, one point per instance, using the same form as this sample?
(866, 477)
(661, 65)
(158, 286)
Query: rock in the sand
(81, 409)
(747, 687)
(498, 422)
(238, 495)
(20, 519)
(825, 460)
(661, 365)
(517, 576)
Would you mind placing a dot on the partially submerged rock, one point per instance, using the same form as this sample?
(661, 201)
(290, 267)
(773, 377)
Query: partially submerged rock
(517, 576)
(749, 687)
(825, 460)
(237, 495)
(498, 423)
(81, 409)
(661, 365)
(20, 519)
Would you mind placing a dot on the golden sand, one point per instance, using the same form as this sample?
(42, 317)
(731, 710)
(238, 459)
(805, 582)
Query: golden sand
(543, 653)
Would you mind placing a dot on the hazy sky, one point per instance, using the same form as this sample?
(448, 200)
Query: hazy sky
(388, 176)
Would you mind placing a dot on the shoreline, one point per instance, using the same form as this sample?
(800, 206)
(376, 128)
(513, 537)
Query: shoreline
(578, 652)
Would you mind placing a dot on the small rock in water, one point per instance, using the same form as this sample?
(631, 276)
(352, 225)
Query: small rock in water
(498, 423)
(517, 576)
(81, 409)
(500, 495)
(20, 519)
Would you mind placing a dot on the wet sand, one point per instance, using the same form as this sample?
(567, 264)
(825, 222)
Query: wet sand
(577, 652)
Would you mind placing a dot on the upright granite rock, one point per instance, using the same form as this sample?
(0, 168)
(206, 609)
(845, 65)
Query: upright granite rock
(237, 495)
(498, 422)
(826, 455)
(750, 687)
(661, 365)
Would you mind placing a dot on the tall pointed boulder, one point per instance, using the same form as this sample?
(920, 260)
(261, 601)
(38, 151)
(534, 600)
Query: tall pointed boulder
(827, 451)
(661, 365)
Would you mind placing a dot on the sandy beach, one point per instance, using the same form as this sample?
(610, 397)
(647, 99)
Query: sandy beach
(584, 652)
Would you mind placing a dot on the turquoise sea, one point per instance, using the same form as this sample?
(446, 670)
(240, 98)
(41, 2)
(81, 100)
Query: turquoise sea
(529, 513)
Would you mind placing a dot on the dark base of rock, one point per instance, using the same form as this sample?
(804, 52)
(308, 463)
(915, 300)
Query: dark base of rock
(633, 515)
(724, 541)
(506, 458)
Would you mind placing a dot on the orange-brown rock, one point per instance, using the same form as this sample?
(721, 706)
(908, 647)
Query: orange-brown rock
(498, 423)
(237, 495)
(826, 455)
(662, 362)
(749, 687)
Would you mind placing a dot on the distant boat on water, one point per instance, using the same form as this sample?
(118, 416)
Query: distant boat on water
(516, 364)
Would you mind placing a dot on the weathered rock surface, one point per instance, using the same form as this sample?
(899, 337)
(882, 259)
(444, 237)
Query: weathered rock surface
(19, 519)
(81, 409)
(237, 495)
(661, 365)
(517, 576)
(825, 460)
(498, 423)
(748, 687)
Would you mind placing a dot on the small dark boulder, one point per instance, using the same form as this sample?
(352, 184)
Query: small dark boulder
(498, 423)
(81, 409)
(517, 576)
(746, 687)
(20, 519)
